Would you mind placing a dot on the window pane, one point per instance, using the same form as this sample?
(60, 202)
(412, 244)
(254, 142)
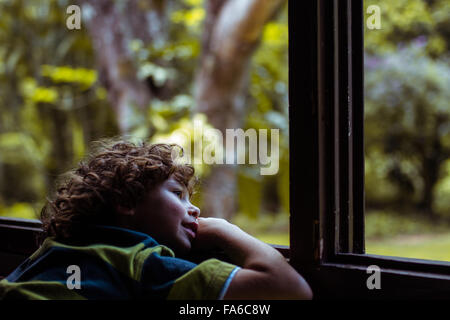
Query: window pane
(147, 76)
(407, 128)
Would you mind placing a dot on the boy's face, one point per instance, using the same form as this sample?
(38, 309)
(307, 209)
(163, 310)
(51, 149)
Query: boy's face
(167, 215)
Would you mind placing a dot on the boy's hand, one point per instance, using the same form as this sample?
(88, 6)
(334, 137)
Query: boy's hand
(211, 233)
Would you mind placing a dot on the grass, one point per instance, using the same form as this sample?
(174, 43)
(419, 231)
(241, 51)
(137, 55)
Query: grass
(422, 246)
(409, 236)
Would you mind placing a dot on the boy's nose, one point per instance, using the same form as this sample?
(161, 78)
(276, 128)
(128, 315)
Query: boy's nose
(194, 211)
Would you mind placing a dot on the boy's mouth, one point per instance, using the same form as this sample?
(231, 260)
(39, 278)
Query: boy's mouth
(191, 229)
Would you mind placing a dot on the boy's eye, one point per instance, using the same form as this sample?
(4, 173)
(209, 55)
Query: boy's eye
(178, 193)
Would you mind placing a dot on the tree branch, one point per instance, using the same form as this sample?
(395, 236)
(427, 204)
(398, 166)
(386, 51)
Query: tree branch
(233, 30)
(112, 25)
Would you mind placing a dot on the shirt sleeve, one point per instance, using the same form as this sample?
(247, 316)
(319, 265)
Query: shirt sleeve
(163, 276)
(207, 281)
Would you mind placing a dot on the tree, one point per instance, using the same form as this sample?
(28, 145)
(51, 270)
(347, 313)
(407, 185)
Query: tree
(46, 91)
(113, 26)
(408, 120)
(407, 116)
(231, 33)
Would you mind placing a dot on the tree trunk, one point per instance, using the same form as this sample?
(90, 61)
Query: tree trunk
(112, 25)
(431, 166)
(232, 32)
(430, 178)
(433, 154)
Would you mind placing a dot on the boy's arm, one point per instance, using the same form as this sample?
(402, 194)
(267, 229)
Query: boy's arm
(265, 273)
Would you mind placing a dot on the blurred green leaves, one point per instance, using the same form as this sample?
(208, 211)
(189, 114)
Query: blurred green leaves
(21, 210)
(50, 101)
(191, 16)
(407, 113)
(66, 74)
(402, 21)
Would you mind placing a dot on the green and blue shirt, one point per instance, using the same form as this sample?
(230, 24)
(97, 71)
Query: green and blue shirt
(115, 263)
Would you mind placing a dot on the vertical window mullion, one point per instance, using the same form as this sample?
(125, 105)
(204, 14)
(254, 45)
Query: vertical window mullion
(340, 225)
(350, 135)
(303, 134)
(349, 120)
(328, 170)
(343, 124)
(356, 15)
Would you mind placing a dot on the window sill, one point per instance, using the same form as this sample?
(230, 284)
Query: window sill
(346, 275)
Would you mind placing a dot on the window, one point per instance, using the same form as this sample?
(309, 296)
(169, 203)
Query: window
(327, 148)
(407, 129)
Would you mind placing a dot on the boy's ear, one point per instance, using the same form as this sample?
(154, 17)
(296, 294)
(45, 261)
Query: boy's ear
(121, 210)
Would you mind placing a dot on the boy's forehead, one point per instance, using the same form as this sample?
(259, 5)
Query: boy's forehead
(173, 182)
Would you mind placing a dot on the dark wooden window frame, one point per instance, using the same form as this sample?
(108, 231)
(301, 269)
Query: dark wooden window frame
(326, 167)
(327, 162)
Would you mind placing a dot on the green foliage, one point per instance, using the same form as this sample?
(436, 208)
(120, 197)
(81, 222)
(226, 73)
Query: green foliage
(387, 224)
(407, 114)
(250, 188)
(407, 118)
(268, 105)
(19, 210)
(442, 190)
(402, 21)
(409, 72)
(407, 129)
(66, 74)
(48, 90)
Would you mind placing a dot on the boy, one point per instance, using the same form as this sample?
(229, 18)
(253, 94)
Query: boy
(118, 221)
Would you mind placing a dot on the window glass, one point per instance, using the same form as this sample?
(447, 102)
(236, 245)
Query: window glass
(71, 75)
(407, 128)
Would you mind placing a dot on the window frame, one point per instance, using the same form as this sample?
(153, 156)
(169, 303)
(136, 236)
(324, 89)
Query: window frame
(326, 114)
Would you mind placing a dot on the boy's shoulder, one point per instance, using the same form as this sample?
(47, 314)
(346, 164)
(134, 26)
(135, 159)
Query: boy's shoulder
(108, 262)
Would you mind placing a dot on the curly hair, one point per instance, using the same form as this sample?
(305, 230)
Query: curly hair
(116, 173)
